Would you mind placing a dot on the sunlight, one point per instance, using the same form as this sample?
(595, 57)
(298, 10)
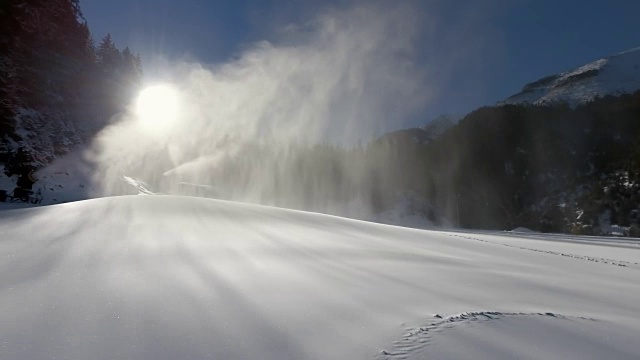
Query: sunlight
(157, 106)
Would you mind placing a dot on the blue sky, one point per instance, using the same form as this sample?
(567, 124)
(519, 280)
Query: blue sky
(492, 47)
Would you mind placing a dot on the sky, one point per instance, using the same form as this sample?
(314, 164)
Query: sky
(477, 52)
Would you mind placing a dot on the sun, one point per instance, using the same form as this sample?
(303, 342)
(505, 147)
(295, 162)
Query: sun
(157, 106)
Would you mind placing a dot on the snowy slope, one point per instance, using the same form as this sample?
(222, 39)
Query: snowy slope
(165, 277)
(614, 75)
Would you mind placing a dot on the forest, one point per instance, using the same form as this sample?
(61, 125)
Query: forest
(57, 87)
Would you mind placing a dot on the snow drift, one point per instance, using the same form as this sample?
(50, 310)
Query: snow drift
(164, 277)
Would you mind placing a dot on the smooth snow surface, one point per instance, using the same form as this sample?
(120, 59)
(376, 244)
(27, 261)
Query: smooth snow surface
(164, 277)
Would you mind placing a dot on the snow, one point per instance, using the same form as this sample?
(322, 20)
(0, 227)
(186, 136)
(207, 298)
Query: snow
(604, 222)
(522, 230)
(168, 277)
(69, 178)
(441, 124)
(614, 75)
(139, 185)
(553, 336)
(407, 212)
(66, 179)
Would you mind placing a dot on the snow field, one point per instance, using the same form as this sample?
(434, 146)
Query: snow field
(166, 277)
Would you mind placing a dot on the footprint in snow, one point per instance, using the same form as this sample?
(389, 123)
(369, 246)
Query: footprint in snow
(495, 334)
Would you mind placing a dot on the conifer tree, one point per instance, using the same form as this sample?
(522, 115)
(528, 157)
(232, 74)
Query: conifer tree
(108, 55)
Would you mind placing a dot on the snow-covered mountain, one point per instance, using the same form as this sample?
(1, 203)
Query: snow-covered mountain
(613, 75)
(442, 123)
(167, 277)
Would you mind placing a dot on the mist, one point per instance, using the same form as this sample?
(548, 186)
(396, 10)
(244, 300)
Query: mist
(340, 80)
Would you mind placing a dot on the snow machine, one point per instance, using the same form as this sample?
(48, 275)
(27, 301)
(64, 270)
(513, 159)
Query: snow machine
(21, 195)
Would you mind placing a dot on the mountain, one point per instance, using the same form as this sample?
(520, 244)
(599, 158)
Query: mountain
(169, 277)
(614, 75)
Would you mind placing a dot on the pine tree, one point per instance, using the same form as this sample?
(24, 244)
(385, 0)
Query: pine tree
(108, 55)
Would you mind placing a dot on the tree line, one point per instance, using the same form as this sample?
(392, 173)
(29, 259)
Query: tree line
(57, 88)
(550, 168)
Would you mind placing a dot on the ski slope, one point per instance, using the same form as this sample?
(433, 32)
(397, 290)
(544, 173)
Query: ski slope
(166, 277)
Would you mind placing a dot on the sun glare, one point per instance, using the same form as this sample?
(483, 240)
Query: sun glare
(157, 106)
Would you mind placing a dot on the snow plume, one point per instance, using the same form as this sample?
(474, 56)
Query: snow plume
(344, 77)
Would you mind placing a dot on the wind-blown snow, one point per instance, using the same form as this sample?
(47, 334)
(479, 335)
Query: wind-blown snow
(165, 277)
(614, 75)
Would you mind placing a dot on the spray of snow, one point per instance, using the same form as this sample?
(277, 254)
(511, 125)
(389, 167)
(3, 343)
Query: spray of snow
(350, 74)
(343, 77)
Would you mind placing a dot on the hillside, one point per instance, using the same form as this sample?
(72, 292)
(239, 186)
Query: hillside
(164, 277)
(613, 75)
